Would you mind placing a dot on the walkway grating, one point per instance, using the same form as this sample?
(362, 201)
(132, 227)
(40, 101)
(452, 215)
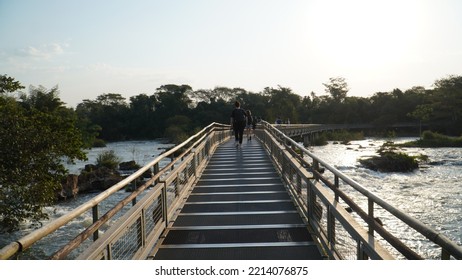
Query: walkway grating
(239, 209)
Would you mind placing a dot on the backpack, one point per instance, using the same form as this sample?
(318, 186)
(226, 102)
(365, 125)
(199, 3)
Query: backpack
(249, 120)
(238, 115)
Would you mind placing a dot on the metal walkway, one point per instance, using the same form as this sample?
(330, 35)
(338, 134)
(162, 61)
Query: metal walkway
(211, 201)
(239, 209)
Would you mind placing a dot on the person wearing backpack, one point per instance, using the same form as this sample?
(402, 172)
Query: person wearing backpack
(249, 125)
(238, 122)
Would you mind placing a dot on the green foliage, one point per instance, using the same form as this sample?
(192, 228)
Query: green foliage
(98, 143)
(321, 140)
(432, 140)
(146, 116)
(107, 159)
(337, 88)
(176, 134)
(36, 134)
(391, 160)
(106, 117)
(344, 136)
(9, 85)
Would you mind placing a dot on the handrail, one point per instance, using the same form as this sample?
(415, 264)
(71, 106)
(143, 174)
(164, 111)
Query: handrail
(448, 247)
(27, 241)
(318, 205)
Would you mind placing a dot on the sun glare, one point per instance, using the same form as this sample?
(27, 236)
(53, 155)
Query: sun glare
(362, 33)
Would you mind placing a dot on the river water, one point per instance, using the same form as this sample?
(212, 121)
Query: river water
(142, 152)
(432, 194)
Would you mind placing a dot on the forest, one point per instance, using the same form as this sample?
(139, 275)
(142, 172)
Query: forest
(176, 111)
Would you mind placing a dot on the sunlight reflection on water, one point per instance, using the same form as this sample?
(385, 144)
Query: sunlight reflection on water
(432, 194)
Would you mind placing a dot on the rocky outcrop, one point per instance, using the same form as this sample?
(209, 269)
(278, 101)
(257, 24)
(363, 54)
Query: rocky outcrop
(391, 162)
(128, 166)
(69, 188)
(96, 179)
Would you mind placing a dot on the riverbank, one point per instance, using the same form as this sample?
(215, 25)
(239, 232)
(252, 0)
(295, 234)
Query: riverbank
(431, 139)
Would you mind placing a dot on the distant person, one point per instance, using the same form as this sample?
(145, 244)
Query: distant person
(249, 125)
(238, 122)
(279, 120)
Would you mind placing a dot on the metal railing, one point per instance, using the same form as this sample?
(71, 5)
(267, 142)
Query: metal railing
(134, 235)
(323, 195)
(328, 200)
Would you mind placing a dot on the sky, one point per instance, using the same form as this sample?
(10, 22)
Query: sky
(88, 47)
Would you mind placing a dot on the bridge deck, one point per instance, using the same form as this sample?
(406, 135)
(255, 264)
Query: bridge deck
(239, 209)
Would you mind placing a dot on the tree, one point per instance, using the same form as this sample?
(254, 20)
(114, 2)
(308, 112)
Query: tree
(110, 112)
(9, 85)
(282, 103)
(421, 113)
(142, 124)
(34, 140)
(337, 88)
(178, 128)
(447, 103)
(172, 100)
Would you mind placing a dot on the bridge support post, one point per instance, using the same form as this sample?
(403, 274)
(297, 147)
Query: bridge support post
(164, 205)
(306, 140)
(95, 218)
(155, 171)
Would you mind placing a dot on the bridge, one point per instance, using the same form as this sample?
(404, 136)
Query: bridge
(270, 199)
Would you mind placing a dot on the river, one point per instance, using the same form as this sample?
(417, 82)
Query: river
(432, 194)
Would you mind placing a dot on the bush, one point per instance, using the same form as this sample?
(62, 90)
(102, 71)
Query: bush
(344, 136)
(99, 143)
(176, 134)
(432, 139)
(390, 160)
(108, 159)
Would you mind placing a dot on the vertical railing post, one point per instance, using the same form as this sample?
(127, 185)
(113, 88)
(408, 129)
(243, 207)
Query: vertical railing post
(359, 251)
(283, 165)
(445, 254)
(194, 164)
(336, 186)
(95, 218)
(164, 205)
(315, 168)
(135, 186)
(142, 229)
(370, 206)
(331, 217)
(299, 183)
(311, 202)
(156, 171)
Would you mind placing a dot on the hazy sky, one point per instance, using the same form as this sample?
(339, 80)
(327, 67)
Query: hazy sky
(88, 48)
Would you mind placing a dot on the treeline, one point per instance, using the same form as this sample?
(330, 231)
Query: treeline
(175, 111)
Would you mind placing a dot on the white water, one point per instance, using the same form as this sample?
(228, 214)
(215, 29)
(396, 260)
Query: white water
(433, 194)
(142, 152)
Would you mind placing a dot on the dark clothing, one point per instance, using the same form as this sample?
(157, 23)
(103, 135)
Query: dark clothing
(239, 131)
(239, 122)
(249, 120)
(238, 115)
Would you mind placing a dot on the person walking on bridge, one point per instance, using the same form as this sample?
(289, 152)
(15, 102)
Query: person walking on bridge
(249, 124)
(238, 122)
